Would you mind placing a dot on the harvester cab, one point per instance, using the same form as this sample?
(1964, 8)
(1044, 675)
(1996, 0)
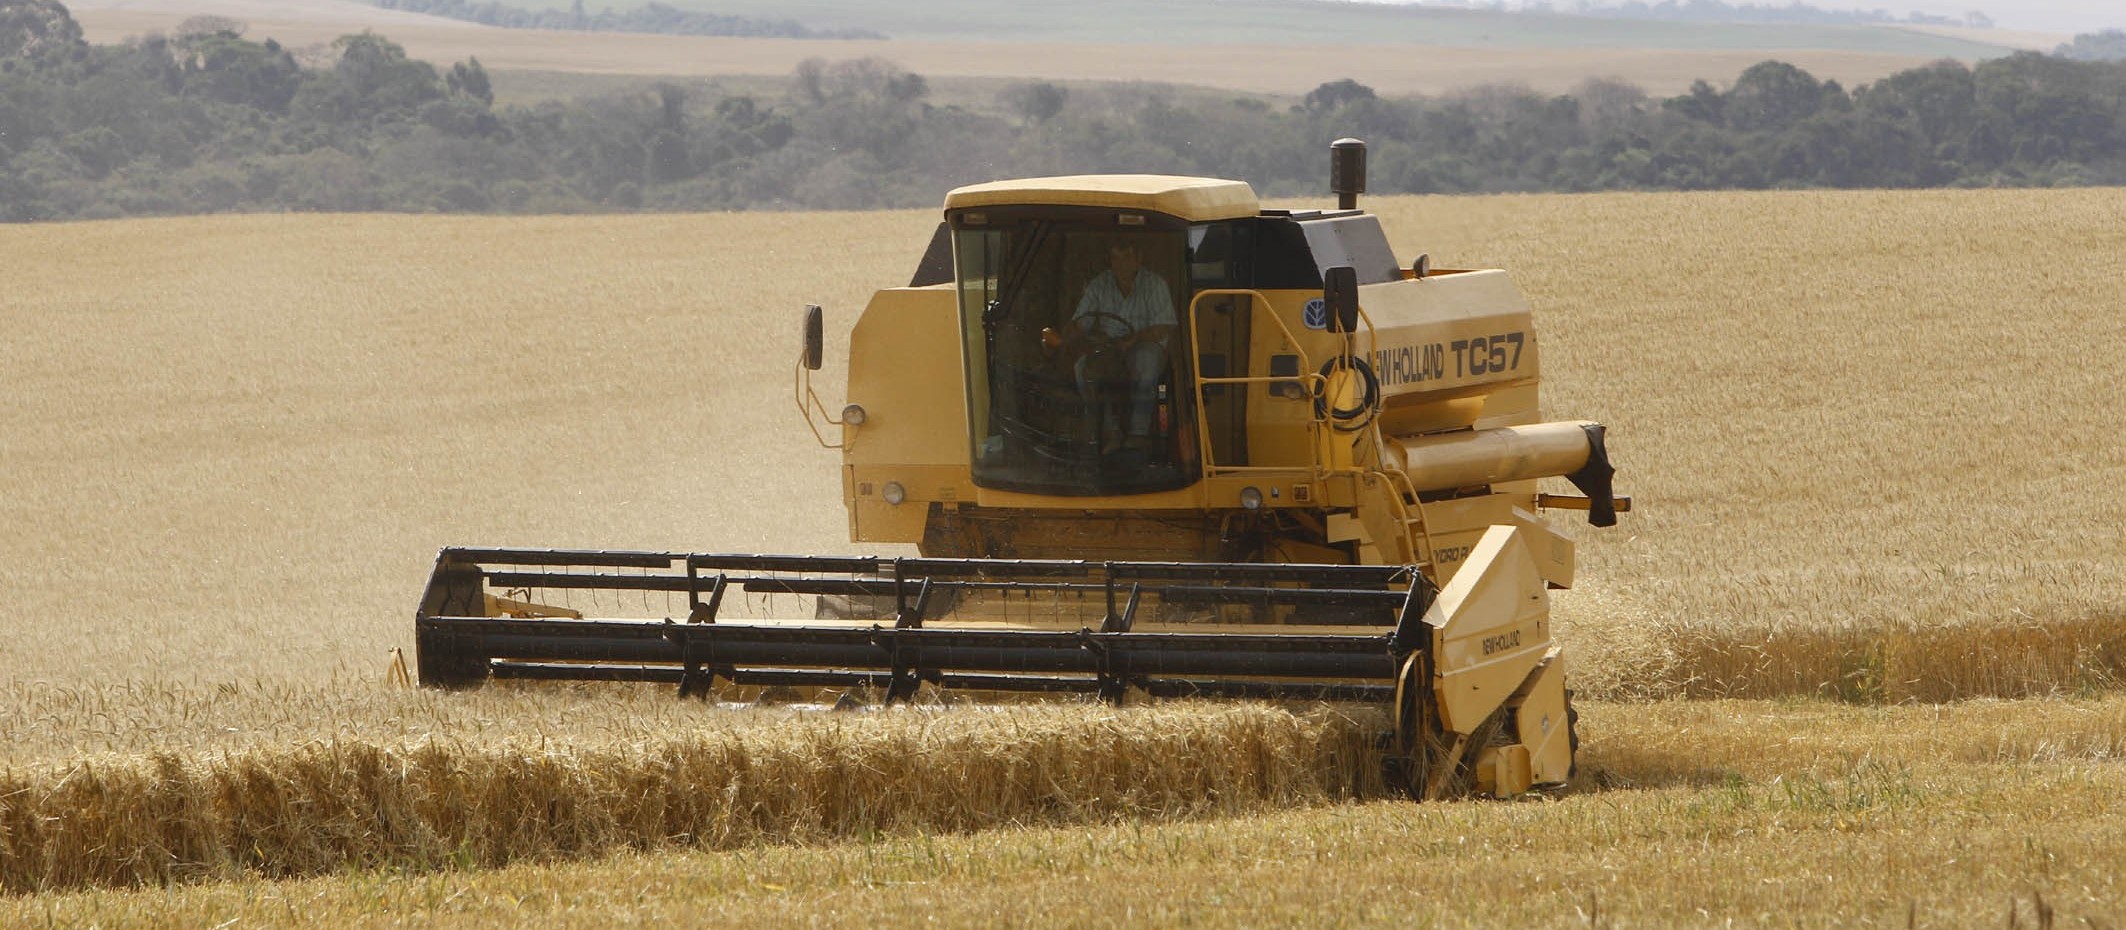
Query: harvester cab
(1147, 437)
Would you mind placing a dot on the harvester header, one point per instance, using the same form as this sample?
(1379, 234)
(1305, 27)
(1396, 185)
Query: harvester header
(463, 624)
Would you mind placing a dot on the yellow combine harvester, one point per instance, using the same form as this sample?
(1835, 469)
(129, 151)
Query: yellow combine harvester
(1148, 438)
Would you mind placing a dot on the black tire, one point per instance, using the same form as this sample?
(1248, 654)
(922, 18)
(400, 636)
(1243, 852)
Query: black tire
(1408, 762)
(1572, 735)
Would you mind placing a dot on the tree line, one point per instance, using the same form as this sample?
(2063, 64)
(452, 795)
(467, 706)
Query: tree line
(2104, 45)
(206, 120)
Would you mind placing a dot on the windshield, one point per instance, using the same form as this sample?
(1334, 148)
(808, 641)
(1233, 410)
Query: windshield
(1077, 365)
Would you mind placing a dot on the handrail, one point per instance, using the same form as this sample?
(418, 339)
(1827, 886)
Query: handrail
(1203, 424)
(1398, 481)
(802, 388)
(1395, 482)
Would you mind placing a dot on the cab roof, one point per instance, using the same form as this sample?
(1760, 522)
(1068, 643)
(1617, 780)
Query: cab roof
(1196, 200)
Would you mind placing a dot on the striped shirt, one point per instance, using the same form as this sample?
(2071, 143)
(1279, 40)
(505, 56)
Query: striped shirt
(1149, 302)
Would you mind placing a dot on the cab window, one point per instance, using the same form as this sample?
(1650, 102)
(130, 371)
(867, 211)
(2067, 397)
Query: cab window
(1078, 365)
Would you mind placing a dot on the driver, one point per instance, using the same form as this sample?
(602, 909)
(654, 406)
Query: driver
(1127, 314)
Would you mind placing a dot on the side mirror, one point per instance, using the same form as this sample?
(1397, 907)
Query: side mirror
(815, 335)
(1339, 296)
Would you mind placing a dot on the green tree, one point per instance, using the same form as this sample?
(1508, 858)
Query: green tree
(868, 105)
(374, 81)
(1703, 102)
(2051, 109)
(1035, 101)
(25, 112)
(1939, 97)
(1609, 106)
(669, 160)
(225, 68)
(468, 78)
(2107, 45)
(35, 29)
(1335, 95)
(1772, 95)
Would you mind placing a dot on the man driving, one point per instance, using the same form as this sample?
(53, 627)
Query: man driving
(1123, 321)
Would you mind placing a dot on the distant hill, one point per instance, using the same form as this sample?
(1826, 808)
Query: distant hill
(649, 18)
(1715, 11)
(1312, 22)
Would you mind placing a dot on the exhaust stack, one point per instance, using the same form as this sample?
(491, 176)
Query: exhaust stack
(1347, 171)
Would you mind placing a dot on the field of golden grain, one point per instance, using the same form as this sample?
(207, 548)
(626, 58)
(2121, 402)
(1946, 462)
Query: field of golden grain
(1869, 435)
(1868, 432)
(1689, 814)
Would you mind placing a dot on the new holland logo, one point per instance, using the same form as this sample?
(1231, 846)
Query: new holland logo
(1316, 316)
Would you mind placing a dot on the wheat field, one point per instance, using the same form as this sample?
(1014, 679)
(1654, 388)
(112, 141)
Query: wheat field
(1867, 431)
(1687, 814)
(1869, 435)
(756, 777)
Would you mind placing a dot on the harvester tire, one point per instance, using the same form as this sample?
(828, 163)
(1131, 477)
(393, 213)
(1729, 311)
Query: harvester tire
(1572, 735)
(1413, 745)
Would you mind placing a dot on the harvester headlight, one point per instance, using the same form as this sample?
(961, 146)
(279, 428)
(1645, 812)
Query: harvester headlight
(893, 492)
(853, 415)
(1251, 498)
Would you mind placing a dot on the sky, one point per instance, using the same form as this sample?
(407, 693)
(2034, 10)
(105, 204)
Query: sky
(2064, 16)
(2043, 15)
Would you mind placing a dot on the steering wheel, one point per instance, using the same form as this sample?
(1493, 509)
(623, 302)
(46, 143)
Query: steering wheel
(1053, 449)
(1098, 338)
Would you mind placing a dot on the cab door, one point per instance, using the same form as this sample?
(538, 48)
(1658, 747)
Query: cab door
(1223, 323)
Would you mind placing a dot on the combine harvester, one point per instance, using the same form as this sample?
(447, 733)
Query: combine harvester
(1148, 438)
